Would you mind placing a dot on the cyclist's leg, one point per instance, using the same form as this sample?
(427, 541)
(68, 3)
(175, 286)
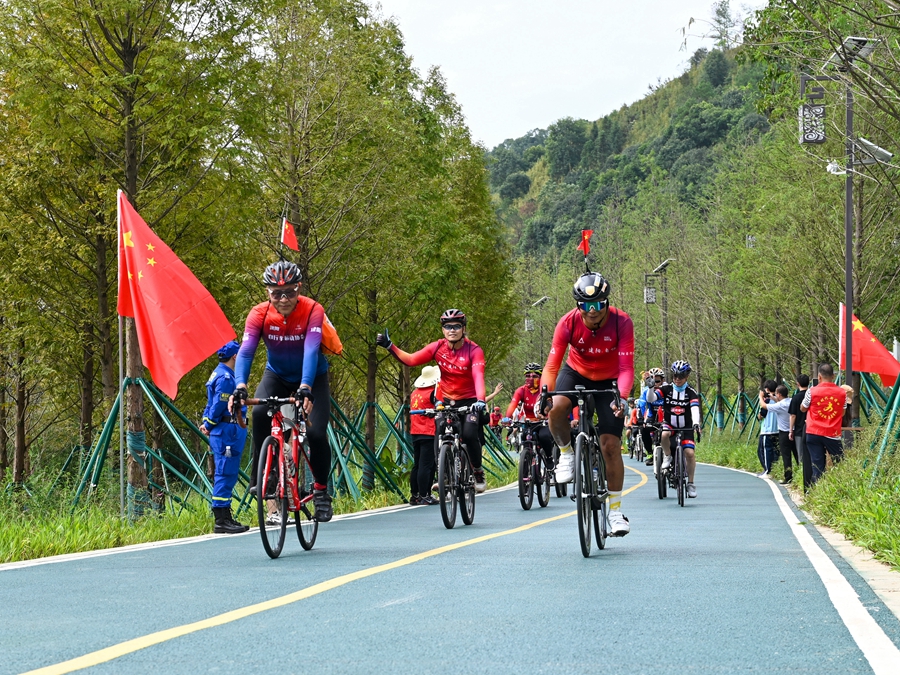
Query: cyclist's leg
(269, 385)
(317, 431)
(666, 441)
(690, 459)
(545, 440)
(609, 428)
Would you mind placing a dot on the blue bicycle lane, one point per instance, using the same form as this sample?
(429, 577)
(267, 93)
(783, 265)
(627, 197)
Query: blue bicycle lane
(719, 586)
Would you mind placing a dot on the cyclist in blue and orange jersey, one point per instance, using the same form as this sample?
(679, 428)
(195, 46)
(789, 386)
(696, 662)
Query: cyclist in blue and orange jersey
(461, 362)
(529, 395)
(290, 325)
(226, 439)
(600, 344)
(650, 411)
(681, 410)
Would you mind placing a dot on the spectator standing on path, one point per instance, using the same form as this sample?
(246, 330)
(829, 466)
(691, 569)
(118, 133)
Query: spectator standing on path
(824, 405)
(422, 428)
(798, 429)
(779, 408)
(768, 429)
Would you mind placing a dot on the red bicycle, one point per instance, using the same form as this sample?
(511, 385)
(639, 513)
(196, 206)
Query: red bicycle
(283, 478)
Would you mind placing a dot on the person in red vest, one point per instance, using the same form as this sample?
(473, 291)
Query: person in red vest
(824, 407)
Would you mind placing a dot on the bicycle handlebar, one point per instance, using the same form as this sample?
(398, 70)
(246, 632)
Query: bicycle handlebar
(272, 400)
(433, 412)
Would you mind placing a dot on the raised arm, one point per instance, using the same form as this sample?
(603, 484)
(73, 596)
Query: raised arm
(421, 357)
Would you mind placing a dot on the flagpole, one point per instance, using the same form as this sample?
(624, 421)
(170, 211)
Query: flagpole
(121, 372)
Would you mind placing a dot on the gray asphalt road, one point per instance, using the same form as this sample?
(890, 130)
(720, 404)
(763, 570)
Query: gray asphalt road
(719, 586)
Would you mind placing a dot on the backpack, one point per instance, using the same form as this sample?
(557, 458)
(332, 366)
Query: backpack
(331, 343)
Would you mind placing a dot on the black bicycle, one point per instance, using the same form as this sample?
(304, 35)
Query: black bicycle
(675, 476)
(456, 476)
(535, 468)
(590, 492)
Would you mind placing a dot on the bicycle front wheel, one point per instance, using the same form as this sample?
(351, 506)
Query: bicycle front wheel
(582, 489)
(660, 476)
(447, 486)
(466, 488)
(541, 479)
(601, 509)
(267, 490)
(680, 479)
(639, 448)
(526, 484)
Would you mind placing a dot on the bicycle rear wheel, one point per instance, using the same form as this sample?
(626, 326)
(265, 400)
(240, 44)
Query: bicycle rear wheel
(447, 486)
(541, 479)
(466, 488)
(582, 489)
(660, 476)
(526, 483)
(266, 491)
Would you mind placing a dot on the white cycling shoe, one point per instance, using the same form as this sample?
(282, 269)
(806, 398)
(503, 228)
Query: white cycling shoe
(667, 462)
(618, 524)
(691, 490)
(565, 468)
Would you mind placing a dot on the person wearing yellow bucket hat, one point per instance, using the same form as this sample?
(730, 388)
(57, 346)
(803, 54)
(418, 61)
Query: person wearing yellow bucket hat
(421, 428)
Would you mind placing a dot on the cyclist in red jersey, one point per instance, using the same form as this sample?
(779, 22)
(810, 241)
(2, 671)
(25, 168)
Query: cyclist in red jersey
(462, 377)
(529, 394)
(600, 344)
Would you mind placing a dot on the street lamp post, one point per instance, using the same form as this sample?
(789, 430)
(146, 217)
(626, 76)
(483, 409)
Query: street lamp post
(812, 121)
(650, 299)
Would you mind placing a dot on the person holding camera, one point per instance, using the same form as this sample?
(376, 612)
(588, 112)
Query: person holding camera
(779, 406)
(767, 450)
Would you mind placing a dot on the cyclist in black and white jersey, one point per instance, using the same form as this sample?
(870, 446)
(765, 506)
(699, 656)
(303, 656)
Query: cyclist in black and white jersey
(681, 410)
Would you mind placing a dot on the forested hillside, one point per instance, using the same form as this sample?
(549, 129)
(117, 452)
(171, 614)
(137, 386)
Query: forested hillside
(706, 170)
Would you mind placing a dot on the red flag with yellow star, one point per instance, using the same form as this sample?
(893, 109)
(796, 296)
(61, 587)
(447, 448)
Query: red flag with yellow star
(585, 244)
(288, 236)
(179, 323)
(869, 355)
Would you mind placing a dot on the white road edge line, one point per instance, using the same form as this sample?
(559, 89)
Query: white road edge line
(882, 655)
(131, 548)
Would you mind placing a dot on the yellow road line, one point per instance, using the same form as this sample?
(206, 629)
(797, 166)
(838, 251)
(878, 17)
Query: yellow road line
(131, 646)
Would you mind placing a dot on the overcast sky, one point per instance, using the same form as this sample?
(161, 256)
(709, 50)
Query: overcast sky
(517, 65)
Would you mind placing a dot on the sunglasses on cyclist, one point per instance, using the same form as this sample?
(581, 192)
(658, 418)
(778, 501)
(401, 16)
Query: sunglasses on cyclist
(532, 376)
(288, 293)
(596, 305)
(452, 326)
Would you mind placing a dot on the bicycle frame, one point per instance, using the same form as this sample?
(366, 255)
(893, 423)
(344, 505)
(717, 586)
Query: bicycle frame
(288, 484)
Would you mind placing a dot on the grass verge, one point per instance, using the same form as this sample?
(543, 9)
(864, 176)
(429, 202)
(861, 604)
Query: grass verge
(36, 526)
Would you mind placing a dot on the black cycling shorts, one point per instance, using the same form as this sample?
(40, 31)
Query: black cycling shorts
(607, 422)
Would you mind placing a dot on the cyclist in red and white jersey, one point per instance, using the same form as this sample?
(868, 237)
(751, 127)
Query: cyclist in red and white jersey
(600, 344)
(461, 362)
(528, 395)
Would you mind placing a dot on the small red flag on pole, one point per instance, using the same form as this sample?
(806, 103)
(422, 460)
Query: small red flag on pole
(869, 355)
(179, 324)
(288, 236)
(585, 244)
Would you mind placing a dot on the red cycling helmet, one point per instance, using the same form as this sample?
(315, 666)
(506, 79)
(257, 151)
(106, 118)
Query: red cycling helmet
(282, 273)
(453, 316)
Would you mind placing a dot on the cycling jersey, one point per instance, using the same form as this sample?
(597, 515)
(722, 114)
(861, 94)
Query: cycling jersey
(681, 409)
(462, 370)
(529, 398)
(603, 354)
(292, 342)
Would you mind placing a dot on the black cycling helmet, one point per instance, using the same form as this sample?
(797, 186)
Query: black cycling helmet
(282, 273)
(532, 368)
(453, 316)
(681, 367)
(590, 286)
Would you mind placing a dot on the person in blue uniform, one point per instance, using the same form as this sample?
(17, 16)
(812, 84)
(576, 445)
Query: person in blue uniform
(226, 438)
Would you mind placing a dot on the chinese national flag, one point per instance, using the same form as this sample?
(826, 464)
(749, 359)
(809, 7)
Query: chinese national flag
(288, 237)
(585, 244)
(869, 355)
(179, 324)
